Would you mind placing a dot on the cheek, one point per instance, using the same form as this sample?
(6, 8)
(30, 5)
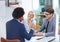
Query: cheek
(47, 17)
(29, 17)
(50, 16)
(32, 16)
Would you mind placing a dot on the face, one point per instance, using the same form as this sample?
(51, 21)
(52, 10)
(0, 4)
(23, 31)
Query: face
(48, 15)
(30, 15)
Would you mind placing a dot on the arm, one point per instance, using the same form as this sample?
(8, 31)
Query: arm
(42, 27)
(26, 35)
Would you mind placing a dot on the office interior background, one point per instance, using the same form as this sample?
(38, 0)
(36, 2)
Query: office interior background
(38, 6)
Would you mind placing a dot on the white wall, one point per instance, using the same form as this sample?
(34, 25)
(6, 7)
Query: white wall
(2, 19)
(6, 14)
(56, 6)
(27, 5)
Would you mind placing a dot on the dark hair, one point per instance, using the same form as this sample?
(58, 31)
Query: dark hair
(50, 10)
(18, 12)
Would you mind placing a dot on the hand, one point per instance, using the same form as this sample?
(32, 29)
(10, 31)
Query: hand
(32, 26)
(38, 34)
(41, 33)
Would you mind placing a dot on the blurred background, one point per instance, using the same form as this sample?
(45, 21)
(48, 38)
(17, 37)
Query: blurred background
(38, 6)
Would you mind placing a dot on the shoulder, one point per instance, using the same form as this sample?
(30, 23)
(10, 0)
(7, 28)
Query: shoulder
(13, 21)
(9, 21)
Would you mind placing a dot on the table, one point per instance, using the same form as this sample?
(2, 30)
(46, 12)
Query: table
(43, 39)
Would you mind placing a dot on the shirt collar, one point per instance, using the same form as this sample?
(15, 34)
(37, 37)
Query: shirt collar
(18, 20)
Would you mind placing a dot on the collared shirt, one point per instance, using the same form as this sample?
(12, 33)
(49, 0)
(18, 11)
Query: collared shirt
(51, 27)
(18, 21)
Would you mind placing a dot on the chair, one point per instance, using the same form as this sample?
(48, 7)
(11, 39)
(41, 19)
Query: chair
(6, 40)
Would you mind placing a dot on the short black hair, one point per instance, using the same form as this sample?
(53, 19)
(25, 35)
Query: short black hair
(18, 12)
(50, 10)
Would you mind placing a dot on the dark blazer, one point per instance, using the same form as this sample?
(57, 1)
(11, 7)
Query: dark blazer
(16, 30)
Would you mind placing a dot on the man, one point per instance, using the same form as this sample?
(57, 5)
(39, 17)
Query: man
(49, 24)
(15, 29)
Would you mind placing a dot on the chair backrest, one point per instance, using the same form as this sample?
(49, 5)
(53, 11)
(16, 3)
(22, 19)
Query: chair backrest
(6, 40)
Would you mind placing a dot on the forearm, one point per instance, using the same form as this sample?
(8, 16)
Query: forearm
(50, 34)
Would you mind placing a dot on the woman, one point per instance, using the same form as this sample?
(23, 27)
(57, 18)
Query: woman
(29, 21)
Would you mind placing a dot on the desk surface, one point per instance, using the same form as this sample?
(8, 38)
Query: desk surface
(44, 39)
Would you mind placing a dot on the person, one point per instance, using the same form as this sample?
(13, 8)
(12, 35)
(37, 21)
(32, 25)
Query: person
(49, 24)
(29, 21)
(15, 29)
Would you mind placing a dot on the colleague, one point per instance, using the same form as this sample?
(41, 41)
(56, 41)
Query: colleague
(29, 21)
(49, 24)
(15, 29)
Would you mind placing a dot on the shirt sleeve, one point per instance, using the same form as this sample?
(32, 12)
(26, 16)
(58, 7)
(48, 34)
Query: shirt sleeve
(42, 27)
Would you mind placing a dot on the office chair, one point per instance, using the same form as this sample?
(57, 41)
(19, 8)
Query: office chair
(6, 40)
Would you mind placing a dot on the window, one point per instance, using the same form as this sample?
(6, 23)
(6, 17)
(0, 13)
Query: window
(59, 3)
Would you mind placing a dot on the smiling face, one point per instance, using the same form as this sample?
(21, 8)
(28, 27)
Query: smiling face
(48, 15)
(30, 15)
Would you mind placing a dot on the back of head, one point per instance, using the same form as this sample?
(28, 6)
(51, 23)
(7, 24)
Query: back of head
(18, 12)
(31, 14)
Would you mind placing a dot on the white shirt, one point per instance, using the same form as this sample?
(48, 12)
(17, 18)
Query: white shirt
(27, 25)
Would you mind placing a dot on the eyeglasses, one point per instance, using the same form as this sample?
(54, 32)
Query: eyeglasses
(46, 13)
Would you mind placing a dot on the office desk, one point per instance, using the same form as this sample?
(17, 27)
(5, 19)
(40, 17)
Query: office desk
(44, 39)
